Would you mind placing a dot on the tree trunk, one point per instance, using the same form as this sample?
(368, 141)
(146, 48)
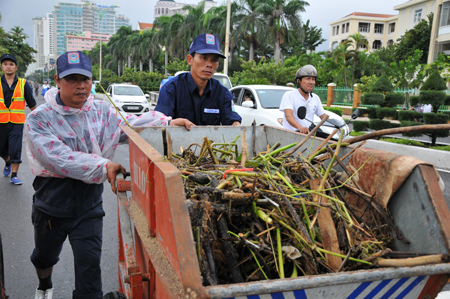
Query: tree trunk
(135, 66)
(141, 65)
(129, 61)
(150, 65)
(251, 52)
(166, 61)
(277, 52)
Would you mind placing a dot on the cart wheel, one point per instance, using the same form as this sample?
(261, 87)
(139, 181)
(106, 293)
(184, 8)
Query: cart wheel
(114, 295)
(2, 273)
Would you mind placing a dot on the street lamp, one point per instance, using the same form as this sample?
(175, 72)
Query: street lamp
(96, 8)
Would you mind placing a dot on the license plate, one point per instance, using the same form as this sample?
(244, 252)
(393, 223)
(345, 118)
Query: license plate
(133, 108)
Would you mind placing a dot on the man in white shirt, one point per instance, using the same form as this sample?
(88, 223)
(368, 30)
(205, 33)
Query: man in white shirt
(427, 108)
(292, 100)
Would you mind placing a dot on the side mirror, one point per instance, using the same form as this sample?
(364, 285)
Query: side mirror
(147, 96)
(355, 114)
(301, 112)
(248, 104)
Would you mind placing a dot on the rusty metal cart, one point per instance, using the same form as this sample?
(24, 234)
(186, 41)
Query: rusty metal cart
(157, 257)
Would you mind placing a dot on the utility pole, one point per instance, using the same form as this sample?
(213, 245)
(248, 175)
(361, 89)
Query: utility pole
(227, 38)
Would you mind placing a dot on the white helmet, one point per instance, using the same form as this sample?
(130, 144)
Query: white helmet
(306, 71)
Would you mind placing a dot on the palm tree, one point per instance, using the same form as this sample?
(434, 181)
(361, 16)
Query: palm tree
(340, 55)
(281, 15)
(118, 45)
(249, 26)
(358, 41)
(148, 48)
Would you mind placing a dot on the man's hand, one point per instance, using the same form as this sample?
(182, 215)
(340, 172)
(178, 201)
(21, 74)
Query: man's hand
(303, 130)
(182, 122)
(112, 169)
(236, 123)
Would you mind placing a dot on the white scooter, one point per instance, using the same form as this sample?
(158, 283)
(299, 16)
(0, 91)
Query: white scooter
(330, 125)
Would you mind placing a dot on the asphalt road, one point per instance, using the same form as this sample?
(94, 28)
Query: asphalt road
(17, 234)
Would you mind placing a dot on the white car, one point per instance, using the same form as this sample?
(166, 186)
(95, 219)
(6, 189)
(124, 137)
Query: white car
(128, 98)
(263, 108)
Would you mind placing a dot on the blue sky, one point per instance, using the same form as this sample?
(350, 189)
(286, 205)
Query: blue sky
(320, 12)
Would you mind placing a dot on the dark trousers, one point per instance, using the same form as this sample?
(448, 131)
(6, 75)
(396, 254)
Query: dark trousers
(11, 141)
(85, 236)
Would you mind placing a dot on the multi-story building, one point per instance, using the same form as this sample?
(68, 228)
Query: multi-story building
(378, 29)
(49, 41)
(440, 32)
(85, 40)
(141, 26)
(72, 19)
(38, 43)
(170, 7)
(381, 30)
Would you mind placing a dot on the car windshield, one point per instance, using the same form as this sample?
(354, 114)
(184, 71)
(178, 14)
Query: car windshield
(223, 80)
(271, 98)
(128, 91)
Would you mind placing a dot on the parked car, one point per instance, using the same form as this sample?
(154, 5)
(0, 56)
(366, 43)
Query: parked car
(263, 107)
(128, 98)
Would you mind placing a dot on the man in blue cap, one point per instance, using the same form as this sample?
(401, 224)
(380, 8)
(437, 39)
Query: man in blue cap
(14, 93)
(71, 140)
(196, 96)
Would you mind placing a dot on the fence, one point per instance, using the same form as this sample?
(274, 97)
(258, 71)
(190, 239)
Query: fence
(342, 96)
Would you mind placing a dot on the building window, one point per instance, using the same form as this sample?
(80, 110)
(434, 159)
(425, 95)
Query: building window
(376, 44)
(362, 46)
(445, 15)
(334, 45)
(364, 27)
(167, 11)
(334, 31)
(417, 16)
(390, 42)
(346, 27)
(343, 28)
(391, 28)
(379, 28)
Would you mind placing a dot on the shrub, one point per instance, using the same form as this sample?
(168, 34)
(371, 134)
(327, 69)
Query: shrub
(372, 98)
(447, 100)
(434, 82)
(437, 118)
(336, 110)
(379, 124)
(359, 125)
(394, 99)
(408, 123)
(383, 84)
(372, 112)
(408, 115)
(413, 101)
(250, 81)
(387, 112)
(434, 97)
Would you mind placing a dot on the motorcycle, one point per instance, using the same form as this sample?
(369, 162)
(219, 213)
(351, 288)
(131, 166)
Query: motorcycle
(330, 125)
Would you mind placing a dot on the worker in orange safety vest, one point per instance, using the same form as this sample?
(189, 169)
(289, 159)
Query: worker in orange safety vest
(14, 93)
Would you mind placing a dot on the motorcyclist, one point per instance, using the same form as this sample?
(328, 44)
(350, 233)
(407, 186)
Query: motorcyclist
(303, 96)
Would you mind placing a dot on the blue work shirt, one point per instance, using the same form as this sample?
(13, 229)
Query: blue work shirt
(180, 98)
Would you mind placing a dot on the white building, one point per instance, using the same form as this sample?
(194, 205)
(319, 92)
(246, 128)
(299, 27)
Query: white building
(170, 7)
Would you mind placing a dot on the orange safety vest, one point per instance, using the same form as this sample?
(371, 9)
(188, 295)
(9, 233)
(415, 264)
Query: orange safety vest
(16, 111)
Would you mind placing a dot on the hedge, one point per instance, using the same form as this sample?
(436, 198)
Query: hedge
(408, 115)
(434, 97)
(379, 124)
(413, 101)
(437, 118)
(360, 125)
(372, 112)
(408, 123)
(362, 111)
(394, 99)
(372, 98)
(387, 112)
(336, 110)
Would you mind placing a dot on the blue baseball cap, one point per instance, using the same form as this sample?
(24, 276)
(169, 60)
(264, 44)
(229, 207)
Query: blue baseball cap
(8, 57)
(73, 63)
(206, 44)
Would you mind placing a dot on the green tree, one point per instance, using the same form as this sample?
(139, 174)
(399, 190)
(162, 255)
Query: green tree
(13, 42)
(417, 38)
(357, 41)
(312, 36)
(281, 15)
